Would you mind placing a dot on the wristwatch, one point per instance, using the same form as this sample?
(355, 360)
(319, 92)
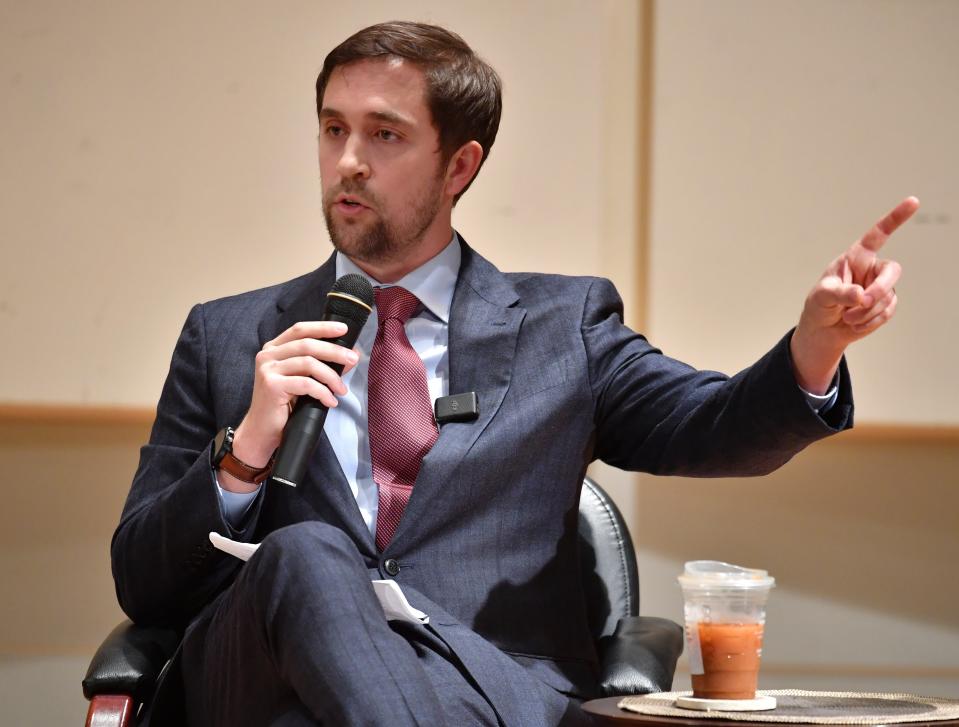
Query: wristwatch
(224, 459)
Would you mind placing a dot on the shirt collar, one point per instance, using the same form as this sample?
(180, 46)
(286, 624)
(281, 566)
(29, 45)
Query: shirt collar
(432, 282)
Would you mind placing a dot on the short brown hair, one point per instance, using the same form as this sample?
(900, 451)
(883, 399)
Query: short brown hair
(463, 93)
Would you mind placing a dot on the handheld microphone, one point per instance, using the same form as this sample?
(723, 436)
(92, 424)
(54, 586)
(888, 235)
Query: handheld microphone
(350, 302)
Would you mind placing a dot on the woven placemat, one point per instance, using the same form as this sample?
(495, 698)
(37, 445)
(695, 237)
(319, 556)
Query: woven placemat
(801, 707)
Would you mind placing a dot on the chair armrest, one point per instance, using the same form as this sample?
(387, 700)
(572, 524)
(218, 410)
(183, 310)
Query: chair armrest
(109, 711)
(640, 656)
(129, 661)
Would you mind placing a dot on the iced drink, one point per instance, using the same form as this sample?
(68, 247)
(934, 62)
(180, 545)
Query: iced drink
(730, 655)
(725, 611)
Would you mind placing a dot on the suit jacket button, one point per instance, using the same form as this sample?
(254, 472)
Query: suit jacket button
(391, 566)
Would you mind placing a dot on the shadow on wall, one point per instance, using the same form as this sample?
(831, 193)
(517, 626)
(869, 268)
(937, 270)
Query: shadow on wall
(871, 524)
(66, 485)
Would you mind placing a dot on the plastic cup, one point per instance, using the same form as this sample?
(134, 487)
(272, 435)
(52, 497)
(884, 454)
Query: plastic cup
(725, 612)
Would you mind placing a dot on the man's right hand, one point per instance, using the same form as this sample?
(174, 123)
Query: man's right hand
(292, 364)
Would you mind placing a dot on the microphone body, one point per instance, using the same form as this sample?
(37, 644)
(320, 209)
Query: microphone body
(350, 302)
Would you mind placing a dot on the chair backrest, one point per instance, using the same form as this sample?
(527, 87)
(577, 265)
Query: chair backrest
(607, 561)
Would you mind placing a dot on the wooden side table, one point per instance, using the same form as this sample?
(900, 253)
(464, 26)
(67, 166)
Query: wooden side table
(605, 712)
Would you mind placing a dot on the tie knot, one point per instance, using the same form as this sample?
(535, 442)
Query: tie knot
(395, 302)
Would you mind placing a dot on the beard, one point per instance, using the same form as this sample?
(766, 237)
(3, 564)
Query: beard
(380, 240)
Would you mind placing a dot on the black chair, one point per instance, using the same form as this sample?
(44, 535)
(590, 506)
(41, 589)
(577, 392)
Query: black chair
(637, 653)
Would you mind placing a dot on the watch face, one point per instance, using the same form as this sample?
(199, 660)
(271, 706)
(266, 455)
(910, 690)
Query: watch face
(222, 444)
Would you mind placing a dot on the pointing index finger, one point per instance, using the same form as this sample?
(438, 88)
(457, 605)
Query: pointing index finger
(880, 232)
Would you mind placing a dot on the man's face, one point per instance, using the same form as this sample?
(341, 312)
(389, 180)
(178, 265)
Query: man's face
(380, 164)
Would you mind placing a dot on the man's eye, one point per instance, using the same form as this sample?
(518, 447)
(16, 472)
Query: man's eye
(386, 135)
(334, 130)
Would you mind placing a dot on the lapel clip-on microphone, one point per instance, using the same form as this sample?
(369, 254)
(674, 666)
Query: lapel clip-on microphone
(456, 408)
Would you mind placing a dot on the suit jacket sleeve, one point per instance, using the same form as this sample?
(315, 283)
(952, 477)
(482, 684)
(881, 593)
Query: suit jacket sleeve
(164, 565)
(656, 414)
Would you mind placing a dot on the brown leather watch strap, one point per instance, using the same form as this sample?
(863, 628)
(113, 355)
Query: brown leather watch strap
(244, 472)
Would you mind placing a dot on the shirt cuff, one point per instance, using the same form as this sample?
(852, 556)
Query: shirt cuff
(821, 403)
(234, 505)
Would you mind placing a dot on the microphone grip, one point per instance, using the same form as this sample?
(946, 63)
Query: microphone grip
(303, 431)
(302, 434)
(305, 426)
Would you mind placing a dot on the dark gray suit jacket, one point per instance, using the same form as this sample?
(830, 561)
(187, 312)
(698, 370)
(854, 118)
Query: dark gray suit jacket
(487, 544)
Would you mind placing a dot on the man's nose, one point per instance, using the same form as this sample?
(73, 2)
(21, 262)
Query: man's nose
(352, 162)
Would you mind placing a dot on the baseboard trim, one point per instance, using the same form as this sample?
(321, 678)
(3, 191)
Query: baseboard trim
(73, 414)
(870, 432)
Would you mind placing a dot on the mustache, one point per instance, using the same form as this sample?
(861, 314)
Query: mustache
(357, 189)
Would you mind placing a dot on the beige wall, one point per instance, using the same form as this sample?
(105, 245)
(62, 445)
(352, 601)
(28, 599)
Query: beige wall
(66, 487)
(163, 154)
(160, 155)
(782, 130)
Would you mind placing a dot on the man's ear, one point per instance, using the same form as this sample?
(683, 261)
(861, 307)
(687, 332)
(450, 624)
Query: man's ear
(463, 166)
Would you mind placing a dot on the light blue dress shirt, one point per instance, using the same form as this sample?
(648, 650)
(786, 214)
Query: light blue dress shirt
(428, 331)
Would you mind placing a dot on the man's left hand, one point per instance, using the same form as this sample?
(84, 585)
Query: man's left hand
(855, 296)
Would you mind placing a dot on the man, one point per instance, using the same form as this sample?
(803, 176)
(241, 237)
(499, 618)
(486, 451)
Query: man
(485, 542)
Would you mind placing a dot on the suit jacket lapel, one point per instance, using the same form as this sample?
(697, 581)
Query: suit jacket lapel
(483, 327)
(326, 485)
(304, 301)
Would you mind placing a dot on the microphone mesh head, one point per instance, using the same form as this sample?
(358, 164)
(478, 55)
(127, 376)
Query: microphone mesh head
(355, 286)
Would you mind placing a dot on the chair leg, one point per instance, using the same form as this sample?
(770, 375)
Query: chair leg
(110, 710)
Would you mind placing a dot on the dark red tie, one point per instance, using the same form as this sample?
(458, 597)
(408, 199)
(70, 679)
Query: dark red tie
(402, 428)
